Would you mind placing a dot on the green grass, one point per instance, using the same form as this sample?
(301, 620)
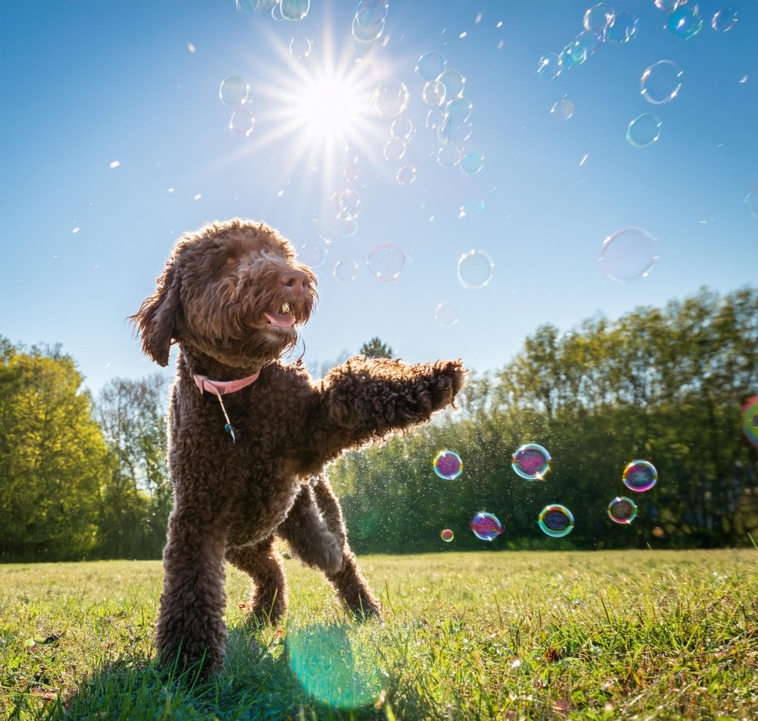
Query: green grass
(605, 635)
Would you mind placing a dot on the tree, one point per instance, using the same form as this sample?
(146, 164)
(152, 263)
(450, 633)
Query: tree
(52, 456)
(375, 348)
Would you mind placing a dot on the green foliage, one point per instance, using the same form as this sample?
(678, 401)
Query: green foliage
(52, 457)
(668, 635)
(376, 348)
(660, 384)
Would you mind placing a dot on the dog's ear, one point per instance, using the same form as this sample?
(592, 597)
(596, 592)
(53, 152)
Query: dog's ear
(156, 319)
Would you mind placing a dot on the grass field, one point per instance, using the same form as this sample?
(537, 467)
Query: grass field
(604, 635)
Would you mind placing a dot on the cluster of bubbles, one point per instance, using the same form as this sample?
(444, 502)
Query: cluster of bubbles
(750, 419)
(292, 10)
(234, 91)
(369, 20)
(533, 462)
(390, 100)
(628, 255)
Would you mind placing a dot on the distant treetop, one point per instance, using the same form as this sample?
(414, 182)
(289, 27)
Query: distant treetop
(375, 348)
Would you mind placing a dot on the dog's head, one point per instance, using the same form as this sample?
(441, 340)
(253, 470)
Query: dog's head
(232, 290)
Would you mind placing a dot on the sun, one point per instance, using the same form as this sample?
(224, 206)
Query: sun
(329, 106)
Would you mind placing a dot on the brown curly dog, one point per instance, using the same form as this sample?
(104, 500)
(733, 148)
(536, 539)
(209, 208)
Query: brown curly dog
(246, 432)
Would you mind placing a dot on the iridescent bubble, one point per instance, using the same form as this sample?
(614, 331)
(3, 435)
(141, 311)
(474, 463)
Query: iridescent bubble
(751, 199)
(234, 91)
(471, 163)
(475, 269)
(622, 510)
(459, 110)
(454, 83)
(430, 65)
(750, 419)
(390, 98)
(345, 270)
(434, 118)
(556, 521)
(562, 110)
(352, 171)
(485, 526)
(401, 128)
(661, 82)
(598, 17)
(433, 93)
(573, 54)
(628, 255)
(640, 476)
(312, 254)
(448, 155)
(622, 28)
(446, 314)
(349, 204)
(380, 6)
(386, 262)
(242, 122)
(448, 465)
(447, 535)
(300, 47)
(644, 130)
(724, 20)
(394, 149)
(276, 12)
(589, 41)
(684, 21)
(471, 208)
(666, 4)
(406, 175)
(366, 31)
(331, 228)
(247, 6)
(452, 132)
(550, 66)
(532, 462)
(294, 9)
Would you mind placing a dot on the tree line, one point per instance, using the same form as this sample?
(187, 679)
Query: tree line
(86, 477)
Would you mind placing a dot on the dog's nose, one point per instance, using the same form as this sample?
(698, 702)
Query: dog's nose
(296, 281)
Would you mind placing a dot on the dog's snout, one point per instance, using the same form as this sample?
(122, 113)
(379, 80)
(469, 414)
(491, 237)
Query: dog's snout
(296, 281)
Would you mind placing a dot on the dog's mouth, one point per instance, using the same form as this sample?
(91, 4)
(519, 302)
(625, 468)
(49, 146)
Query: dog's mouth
(281, 318)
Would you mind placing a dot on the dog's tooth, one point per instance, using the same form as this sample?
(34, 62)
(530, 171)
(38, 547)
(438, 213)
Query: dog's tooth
(285, 308)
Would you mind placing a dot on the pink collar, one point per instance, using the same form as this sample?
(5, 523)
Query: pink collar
(221, 388)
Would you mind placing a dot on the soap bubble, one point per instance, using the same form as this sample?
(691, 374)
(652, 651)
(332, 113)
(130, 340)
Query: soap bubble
(247, 6)
(300, 47)
(276, 12)
(448, 465)
(598, 17)
(471, 163)
(752, 201)
(331, 669)
(394, 149)
(330, 228)
(379, 6)
(364, 30)
(386, 262)
(550, 66)
(588, 40)
(471, 208)
(475, 269)
(556, 521)
(750, 419)
(486, 527)
(628, 255)
(661, 82)
(452, 132)
(294, 9)
(644, 130)
(667, 4)
(434, 118)
(447, 535)
(622, 510)
(724, 20)
(406, 175)
(532, 462)
(312, 254)
(234, 91)
(349, 204)
(430, 65)
(622, 28)
(573, 54)
(433, 93)
(390, 98)
(640, 476)
(459, 110)
(454, 83)
(242, 122)
(448, 155)
(684, 21)
(352, 171)
(446, 314)
(345, 270)
(401, 128)
(562, 110)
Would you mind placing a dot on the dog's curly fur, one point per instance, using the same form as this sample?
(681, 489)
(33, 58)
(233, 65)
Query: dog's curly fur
(231, 499)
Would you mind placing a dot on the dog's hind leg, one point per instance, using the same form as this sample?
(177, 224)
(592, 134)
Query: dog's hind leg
(263, 563)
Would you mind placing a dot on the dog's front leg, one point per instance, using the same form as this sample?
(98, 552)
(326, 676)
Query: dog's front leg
(191, 624)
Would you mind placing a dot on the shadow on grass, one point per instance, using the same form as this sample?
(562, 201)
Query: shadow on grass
(257, 682)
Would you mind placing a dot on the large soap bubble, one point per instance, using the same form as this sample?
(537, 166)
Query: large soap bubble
(628, 255)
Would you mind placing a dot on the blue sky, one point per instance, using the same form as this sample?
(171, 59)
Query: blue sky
(85, 84)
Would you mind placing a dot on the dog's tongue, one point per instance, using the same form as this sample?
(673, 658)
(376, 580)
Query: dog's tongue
(281, 320)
